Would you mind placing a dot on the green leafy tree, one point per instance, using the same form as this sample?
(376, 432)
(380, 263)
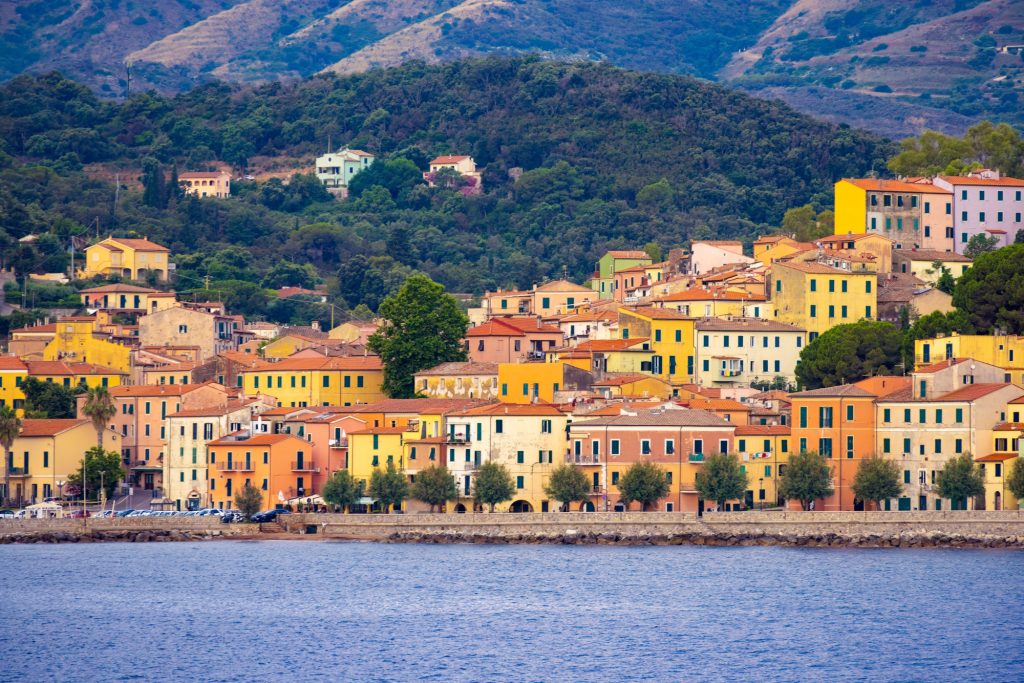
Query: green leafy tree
(1015, 480)
(721, 479)
(248, 500)
(100, 465)
(10, 427)
(493, 484)
(100, 408)
(807, 478)
(398, 176)
(343, 490)
(643, 482)
(991, 292)
(984, 145)
(423, 326)
(980, 244)
(389, 486)
(49, 399)
(805, 225)
(959, 479)
(877, 479)
(849, 353)
(435, 486)
(656, 197)
(568, 484)
(930, 326)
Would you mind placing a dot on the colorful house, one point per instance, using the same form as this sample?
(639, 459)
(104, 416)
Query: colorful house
(671, 336)
(912, 215)
(611, 263)
(540, 382)
(458, 380)
(126, 299)
(928, 264)
(763, 451)
(206, 183)
(336, 169)
(513, 339)
(279, 465)
(816, 297)
(709, 303)
(127, 258)
(984, 204)
(744, 351)
(317, 381)
(77, 340)
(1001, 350)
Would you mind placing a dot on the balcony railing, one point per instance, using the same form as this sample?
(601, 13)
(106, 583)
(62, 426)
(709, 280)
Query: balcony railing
(236, 466)
(695, 457)
(17, 471)
(583, 459)
(338, 443)
(458, 438)
(304, 466)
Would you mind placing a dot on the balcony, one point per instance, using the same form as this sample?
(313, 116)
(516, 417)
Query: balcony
(338, 443)
(456, 438)
(583, 459)
(304, 466)
(695, 457)
(236, 466)
(17, 471)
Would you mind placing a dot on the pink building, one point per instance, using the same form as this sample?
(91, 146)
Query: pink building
(984, 203)
(511, 340)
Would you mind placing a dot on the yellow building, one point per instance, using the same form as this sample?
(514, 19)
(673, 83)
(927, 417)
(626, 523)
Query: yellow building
(816, 297)
(373, 448)
(46, 453)
(630, 385)
(608, 355)
(122, 298)
(671, 339)
(927, 264)
(77, 339)
(1005, 351)
(14, 372)
(127, 258)
(318, 381)
(912, 215)
(529, 440)
(206, 184)
(762, 450)
(769, 249)
(997, 465)
(533, 382)
(710, 303)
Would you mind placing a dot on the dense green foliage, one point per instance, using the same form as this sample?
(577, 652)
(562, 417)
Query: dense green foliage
(960, 479)
(49, 399)
(434, 486)
(493, 484)
(991, 292)
(99, 407)
(568, 484)
(389, 486)
(422, 327)
(643, 482)
(248, 500)
(931, 325)
(100, 467)
(807, 478)
(10, 427)
(1015, 479)
(983, 146)
(721, 479)
(610, 159)
(849, 353)
(342, 490)
(877, 479)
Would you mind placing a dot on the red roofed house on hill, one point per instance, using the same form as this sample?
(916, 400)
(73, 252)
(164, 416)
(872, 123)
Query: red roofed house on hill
(472, 182)
(128, 258)
(510, 340)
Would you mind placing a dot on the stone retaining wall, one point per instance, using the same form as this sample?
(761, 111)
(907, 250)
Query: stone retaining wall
(126, 528)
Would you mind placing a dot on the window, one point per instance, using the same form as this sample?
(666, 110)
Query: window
(825, 447)
(657, 335)
(520, 457)
(906, 446)
(887, 415)
(842, 312)
(803, 416)
(545, 302)
(698, 446)
(906, 476)
(814, 311)
(723, 446)
(615, 478)
(849, 447)
(959, 415)
(981, 216)
(831, 311)
(519, 482)
(614, 445)
(814, 285)
(849, 413)
(867, 309)
(670, 446)
(958, 446)
(938, 446)
(645, 446)
(326, 381)
(938, 416)
(886, 446)
(499, 426)
(545, 427)
(182, 329)
(867, 286)
(922, 416)
(705, 341)
(825, 417)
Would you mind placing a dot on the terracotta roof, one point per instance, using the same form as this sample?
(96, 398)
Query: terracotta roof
(318, 363)
(973, 392)
(628, 254)
(53, 427)
(875, 185)
(528, 324)
(818, 268)
(420, 406)
(213, 411)
(50, 328)
(513, 409)
(12, 363)
(713, 404)
(711, 295)
(202, 174)
(119, 288)
(745, 324)
(563, 286)
(763, 430)
(657, 313)
(152, 390)
(1009, 426)
(996, 457)
(139, 245)
(255, 440)
(1001, 182)
(379, 430)
(931, 255)
(511, 327)
(459, 368)
(588, 316)
(941, 365)
(836, 391)
(681, 417)
(450, 159)
(632, 269)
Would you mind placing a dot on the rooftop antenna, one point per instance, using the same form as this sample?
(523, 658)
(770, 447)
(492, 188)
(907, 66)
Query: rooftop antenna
(328, 143)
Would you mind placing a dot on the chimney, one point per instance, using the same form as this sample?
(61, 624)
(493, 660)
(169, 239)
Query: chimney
(315, 325)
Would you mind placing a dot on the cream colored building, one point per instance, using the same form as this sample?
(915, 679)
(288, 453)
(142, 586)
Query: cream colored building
(458, 380)
(927, 264)
(529, 440)
(739, 351)
(188, 431)
(127, 258)
(184, 326)
(203, 184)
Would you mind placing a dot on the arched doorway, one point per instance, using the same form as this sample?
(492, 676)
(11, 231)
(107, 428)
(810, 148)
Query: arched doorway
(997, 503)
(587, 507)
(460, 509)
(619, 507)
(520, 506)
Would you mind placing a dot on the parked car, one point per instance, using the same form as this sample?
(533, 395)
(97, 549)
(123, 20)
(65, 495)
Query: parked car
(103, 514)
(269, 515)
(232, 517)
(6, 514)
(124, 513)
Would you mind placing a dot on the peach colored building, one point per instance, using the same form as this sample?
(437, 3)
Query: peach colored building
(510, 340)
(201, 184)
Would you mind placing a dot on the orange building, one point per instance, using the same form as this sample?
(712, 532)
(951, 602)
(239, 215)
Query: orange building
(839, 423)
(279, 465)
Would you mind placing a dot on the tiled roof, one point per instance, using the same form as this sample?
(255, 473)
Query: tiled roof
(450, 159)
(996, 457)
(50, 328)
(256, 440)
(746, 324)
(875, 185)
(421, 406)
(118, 288)
(973, 392)
(681, 417)
(818, 268)
(511, 327)
(628, 254)
(152, 390)
(512, 409)
(941, 365)
(139, 244)
(836, 391)
(213, 411)
(321, 363)
(657, 313)
(31, 427)
(604, 345)
(1001, 182)
(57, 367)
(459, 368)
(713, 404)
(12, 363)
(763, 430)
(711, 295)
(931, 255)
(627, 378)
(563, 286)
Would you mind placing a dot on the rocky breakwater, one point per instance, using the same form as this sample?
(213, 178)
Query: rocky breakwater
(108, 536)
(895, 539)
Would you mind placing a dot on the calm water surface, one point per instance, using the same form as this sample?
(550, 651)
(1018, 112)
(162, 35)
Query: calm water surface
(313, 611)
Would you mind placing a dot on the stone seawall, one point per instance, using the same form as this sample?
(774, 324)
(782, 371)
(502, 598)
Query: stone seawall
(135, 529)
(872, 529)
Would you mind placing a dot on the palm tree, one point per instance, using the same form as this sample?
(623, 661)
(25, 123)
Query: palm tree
(99, 407)
(10, 427)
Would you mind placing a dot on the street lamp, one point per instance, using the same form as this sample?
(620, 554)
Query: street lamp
(760, 491)
(60, 489)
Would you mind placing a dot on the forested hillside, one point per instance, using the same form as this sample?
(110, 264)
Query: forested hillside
(609, 158)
